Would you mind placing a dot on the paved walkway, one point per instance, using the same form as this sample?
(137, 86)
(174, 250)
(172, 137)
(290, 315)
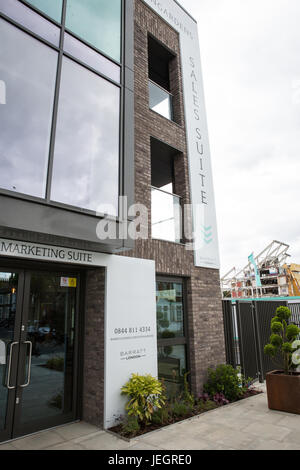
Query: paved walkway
(248, 424)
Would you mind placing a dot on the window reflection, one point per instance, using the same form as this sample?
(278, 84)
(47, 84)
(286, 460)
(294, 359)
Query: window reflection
(160, 101)
(92, 58)
(172, 367)
(86, 159)
(169, 300)
(28, 71)
(52, 8)
(31, 20)
(50, 329)
(165, 216)
(98, 22)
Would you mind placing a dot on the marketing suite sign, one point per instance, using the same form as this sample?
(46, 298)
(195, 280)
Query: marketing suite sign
(206, 247)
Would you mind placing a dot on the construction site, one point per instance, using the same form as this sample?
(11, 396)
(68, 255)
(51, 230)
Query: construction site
(266, 275)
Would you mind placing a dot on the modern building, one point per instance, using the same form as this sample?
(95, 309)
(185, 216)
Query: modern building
(108, 240)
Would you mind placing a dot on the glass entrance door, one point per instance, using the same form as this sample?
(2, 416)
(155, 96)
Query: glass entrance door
(11, 297)
(38, 386)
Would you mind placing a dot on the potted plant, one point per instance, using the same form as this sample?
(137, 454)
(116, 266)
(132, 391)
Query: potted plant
(283, 384)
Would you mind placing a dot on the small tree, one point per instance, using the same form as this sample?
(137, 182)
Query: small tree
(282, 339)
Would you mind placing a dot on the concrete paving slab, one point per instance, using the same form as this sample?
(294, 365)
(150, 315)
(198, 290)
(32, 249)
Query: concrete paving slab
(7, 447)
(77, 430)
(268, 431)
(38, 441)
(248, 424)
(102, 441)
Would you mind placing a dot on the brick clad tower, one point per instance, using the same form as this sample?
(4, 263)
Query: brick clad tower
(203, 308)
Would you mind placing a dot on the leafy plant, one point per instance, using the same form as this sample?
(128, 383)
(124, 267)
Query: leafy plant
(226, 380)
(187, 396)
(145, 395)
(131, 426)
(206, 405)
(282, 345)
(220, 399)
(161, 415)
(180, 409)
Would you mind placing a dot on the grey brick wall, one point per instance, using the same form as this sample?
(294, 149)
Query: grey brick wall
(93, 367)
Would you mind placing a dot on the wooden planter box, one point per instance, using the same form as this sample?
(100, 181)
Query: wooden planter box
(283, 391)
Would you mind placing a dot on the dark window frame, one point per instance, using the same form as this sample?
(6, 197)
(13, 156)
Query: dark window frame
(184, 340)
(61, 53)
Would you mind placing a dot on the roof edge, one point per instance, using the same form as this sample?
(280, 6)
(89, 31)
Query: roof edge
(185, 11)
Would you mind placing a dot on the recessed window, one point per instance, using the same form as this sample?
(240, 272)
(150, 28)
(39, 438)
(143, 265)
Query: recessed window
(165, 205)
(160, 97)
(98, 22)
(86, 158)
(28, 72)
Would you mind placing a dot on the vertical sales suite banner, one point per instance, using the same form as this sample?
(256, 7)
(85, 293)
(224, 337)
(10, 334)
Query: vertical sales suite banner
(206, 247)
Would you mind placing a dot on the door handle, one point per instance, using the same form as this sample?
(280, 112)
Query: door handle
(29, 364)
(9, 366)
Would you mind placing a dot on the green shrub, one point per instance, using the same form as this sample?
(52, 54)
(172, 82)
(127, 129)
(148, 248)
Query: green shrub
(224, 379)
(281, 345)
(276, 327)
(167, 334)
(56, 363)
(292, 332)
(187, 396)
(131, 426)
(161, 415)
(276, 340)
(145, 394)
(206, 405)
(283, 313)
(270, 350)
(180, 409)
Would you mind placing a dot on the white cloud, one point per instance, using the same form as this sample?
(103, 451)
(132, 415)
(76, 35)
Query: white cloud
(250, 52)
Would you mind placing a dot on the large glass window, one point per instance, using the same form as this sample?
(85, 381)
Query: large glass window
(91, 57)
(169, 298)
(27, 77)
(86, 158)
(59, 118)
(172, 362)
(172, 367)
(52, 8)
(31, 20)
(98, 22)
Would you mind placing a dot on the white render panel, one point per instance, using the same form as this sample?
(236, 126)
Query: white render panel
(130, 331)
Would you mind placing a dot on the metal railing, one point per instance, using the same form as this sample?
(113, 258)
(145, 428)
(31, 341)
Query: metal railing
(160, 100)
(166, 217)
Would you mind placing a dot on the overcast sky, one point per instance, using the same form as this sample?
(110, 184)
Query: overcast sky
(250, 52)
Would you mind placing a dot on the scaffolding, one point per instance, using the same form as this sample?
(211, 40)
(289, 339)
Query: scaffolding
(266, 275)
